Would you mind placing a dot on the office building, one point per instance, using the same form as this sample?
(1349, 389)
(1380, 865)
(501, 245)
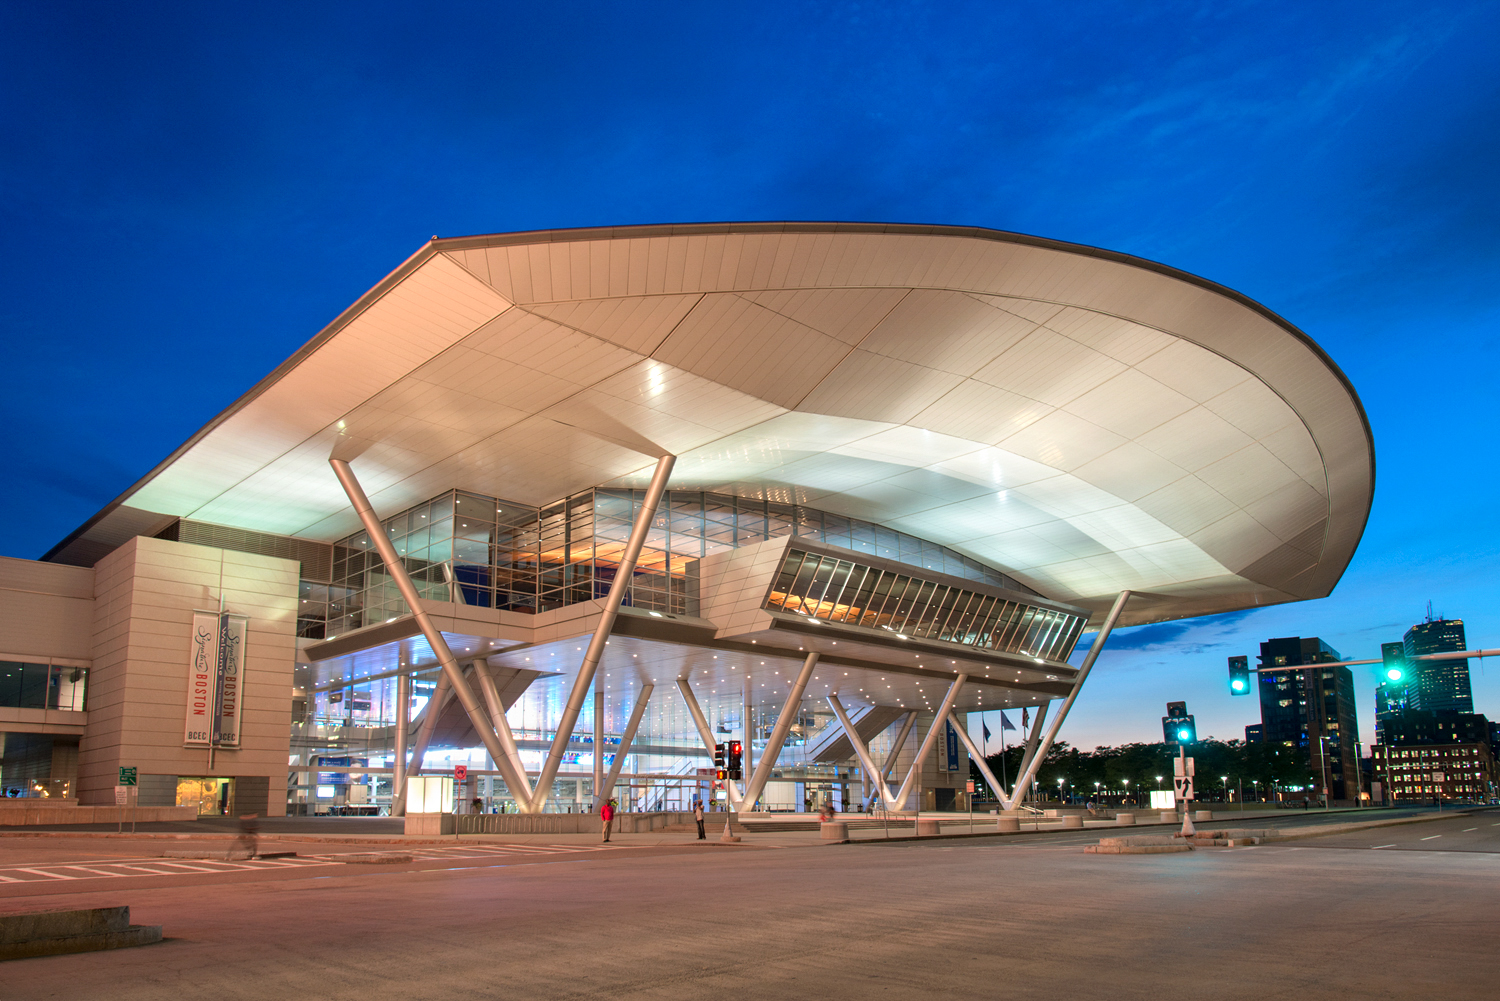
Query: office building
(1312, 709)
(842, 480)
(1438, 685)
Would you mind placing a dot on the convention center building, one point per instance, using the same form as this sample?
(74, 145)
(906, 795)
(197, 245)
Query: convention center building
(556, 513)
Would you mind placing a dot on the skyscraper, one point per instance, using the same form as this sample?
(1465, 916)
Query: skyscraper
(1311, 709)
(1438, 685)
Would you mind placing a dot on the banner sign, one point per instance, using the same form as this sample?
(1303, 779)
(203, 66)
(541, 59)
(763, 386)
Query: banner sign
(215, 677)
(951, 741)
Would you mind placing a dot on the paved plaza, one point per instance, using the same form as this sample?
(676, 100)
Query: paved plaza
(1383, 912)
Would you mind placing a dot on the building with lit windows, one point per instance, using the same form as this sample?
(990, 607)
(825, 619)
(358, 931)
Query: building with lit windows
(1438, 685)
(1428, 771)
(1312, 709)
(568, 508)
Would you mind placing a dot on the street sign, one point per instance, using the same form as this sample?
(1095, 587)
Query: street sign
(1437, 776)
(971, 785)
(460, 773)
(1183, 766)
(127, 776)
(122, 795)
(1183, 785)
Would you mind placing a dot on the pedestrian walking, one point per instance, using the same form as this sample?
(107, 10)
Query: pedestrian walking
(607, 815)
(698, 817)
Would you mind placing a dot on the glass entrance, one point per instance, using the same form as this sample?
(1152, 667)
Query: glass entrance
(214, 797)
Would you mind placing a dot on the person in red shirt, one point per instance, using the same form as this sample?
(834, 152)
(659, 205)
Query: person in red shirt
(607, 814)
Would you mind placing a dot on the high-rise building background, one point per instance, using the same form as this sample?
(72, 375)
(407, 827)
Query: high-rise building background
(1438, 685)
(1312, 709)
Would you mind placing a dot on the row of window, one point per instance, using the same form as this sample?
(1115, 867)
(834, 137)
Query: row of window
(43, 686)
(838, 590)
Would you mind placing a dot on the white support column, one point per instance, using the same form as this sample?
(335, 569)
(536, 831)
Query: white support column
(510, 767)
(1031, 743)
(598, 737)
(914, 776)
(707, 733)
(862, 752)
(783, 726)
(403, 732)
(1062, 713)
(747, 763)
(408, 590)
(984, 766)
(595, 652)
(425, 728)
(895, 751)
(626, 739)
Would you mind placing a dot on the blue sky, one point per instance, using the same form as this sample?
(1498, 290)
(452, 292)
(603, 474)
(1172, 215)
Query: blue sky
(188, 193)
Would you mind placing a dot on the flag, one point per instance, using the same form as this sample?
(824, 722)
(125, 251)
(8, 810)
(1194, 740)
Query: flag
(986, 729)
(1005, 723)
(1025, 717)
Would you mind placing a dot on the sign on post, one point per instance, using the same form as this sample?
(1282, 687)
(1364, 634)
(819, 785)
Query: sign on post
(128, 776)
(1183, 786)
(216, 667)
(460, 774)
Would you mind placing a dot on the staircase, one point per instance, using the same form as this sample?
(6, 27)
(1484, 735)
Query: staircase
(832, 744)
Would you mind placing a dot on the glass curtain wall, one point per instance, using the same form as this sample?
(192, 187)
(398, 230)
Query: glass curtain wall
(493, 553)
(838, 590)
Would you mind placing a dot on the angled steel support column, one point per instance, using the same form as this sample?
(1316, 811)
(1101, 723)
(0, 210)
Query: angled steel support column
(511, 768)
(890, 758)
(927, 742)
(626, 739)
(425, 729)
(408, 590)
(595, 652)
(1062, 713)
(707, 733)
(1031, 742)
(984, 766)
(862, 752)
(598, 737)
(403, 732)
(783, 726)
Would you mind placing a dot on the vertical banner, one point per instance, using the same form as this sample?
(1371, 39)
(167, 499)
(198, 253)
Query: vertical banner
(203, 680)
(232, 631)
(951, 740)
(216, 672)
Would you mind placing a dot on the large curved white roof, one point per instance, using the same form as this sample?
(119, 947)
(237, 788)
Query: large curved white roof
(1084, 420)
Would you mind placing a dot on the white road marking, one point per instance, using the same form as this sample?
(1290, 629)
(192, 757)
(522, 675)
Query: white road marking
(1431, 836)
(1466, 830)
(1375, 847)
(44, 872)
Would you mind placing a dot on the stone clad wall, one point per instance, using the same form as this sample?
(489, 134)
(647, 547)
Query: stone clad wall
(145, 595)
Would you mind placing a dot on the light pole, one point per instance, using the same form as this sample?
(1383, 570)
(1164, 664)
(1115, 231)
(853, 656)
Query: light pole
(1224, 781)
(1126, 783)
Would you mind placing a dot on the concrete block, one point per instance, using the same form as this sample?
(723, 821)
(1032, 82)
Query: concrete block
(1201, 815)
(1136, 849)
(54, 933)
(1072, 822)
(1168, 817)
(1124, 820)
(1008, 825)
(834, 830)
(429, 824)
(926, 827)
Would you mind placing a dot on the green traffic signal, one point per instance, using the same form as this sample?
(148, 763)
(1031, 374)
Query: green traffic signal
(1184, 734)
(1394, 674)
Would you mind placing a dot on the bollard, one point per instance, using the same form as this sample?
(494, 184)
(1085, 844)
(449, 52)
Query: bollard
(1125, 820)
(927, 827)
(1201, 815)
(1008, 825)
(834, 830)
(1072, 821)
(1168, 817)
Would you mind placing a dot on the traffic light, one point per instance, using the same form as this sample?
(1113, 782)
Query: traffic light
(735, 760)
(1177, 727)
(1394, 656)
(720, 772)
(1239, 675)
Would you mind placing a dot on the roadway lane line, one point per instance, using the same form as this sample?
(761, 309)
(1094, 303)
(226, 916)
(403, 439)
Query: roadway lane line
(1430, 837)
(1466, 830)
(1378, 847)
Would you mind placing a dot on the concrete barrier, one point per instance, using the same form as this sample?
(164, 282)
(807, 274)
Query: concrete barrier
(1124, 820)
(1008, 825)
(55, 933)
(53, 812)
(927, 827)
(1168, 817)
(1201, 815)
(834, 830)
(1072, 821)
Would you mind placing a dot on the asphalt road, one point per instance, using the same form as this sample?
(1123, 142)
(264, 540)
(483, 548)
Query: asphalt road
(1029, 917)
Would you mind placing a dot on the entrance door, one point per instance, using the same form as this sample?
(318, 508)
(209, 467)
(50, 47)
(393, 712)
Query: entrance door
(214, 797)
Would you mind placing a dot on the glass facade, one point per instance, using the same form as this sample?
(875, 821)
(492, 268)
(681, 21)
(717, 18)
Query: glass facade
(43, 686)
(833, 589)
(492, 553)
